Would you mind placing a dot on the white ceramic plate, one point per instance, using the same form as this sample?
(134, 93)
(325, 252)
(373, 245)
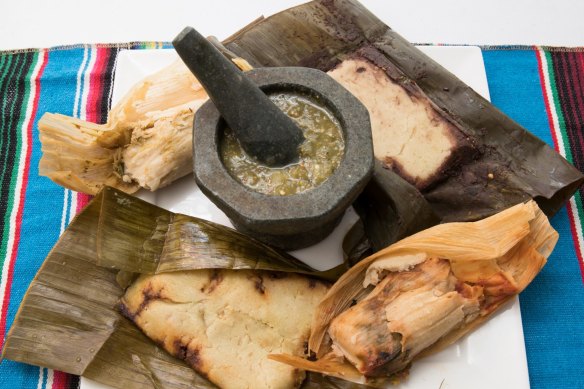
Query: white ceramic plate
(491, 357)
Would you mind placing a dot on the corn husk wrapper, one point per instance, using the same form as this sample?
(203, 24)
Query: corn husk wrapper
(68, 319)
(502, 254)
(146, 142)
(495, 164)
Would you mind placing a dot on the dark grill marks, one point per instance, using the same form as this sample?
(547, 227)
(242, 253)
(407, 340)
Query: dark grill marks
(193, 358)
(191, 355)
(215, 280)
(259, 284)
(149, 295)
(125, 311)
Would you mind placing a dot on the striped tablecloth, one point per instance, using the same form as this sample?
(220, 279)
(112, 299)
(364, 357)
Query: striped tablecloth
(542, 88)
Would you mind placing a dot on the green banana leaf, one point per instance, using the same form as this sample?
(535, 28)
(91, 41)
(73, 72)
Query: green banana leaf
(69, 321)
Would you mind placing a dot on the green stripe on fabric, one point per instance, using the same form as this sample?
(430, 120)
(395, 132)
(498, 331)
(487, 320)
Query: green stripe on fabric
(4, 67)
(580, 209)
(3, 244)
(5, 139)
(563, 131)
(15, 171)
(6, 129)
(2, 60)
(28, 81)
(558, 106)
(7, 126)
(3, 79)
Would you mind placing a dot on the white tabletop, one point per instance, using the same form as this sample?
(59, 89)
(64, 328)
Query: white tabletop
(46, 23)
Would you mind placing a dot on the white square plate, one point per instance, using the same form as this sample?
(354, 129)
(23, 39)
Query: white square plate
(491, 357)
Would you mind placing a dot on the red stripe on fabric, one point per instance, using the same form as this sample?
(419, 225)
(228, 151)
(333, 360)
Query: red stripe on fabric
(579, 62)
(94, 96)
(571, 106)
(22, 195)
(577, 98)
(82, 200)
(546, 98)
(575, 103)
(93, 107)
(577, 247)
(60, 380)
(569, 208)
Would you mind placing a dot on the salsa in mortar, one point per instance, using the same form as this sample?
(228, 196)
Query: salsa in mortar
(319, 155)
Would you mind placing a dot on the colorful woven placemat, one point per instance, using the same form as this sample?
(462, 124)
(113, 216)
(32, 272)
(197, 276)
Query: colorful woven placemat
(540, 87)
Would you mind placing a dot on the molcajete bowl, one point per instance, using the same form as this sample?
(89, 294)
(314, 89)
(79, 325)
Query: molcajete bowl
(297, 220)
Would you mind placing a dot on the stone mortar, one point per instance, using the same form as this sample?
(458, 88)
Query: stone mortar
(303, 219)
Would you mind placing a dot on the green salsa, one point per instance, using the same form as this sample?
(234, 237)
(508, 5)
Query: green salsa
(319, 155)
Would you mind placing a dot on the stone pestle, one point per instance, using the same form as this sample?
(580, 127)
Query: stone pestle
(263, 130)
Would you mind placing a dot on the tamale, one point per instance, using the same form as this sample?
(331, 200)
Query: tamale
(424, 292)
(224, 323)
(69, 318)
(146, 142)
(467, 158)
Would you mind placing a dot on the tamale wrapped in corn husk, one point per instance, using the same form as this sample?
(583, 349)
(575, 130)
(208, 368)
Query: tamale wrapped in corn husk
(424, 292)
(146, 142)
(467, 158)
(70, 318)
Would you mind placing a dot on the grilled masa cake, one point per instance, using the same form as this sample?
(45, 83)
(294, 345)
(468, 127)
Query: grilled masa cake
(224, 323)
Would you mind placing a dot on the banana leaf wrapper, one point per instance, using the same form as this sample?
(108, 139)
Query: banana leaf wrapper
(425, 292)
(484, 161)
(390, 209)
(69, 321)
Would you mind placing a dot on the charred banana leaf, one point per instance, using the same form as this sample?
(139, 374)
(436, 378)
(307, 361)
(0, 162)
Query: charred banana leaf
(467, 158)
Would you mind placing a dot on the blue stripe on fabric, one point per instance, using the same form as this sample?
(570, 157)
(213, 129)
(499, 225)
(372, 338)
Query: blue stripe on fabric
(82, 81)
(45, 378)
(71, 208)
(64, 213)
(43, 204)
(555, 298)
(518, 93)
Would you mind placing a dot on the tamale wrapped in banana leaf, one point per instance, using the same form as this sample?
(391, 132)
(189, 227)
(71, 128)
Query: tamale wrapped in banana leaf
(467, 158)
(71, 318)
(424, 292)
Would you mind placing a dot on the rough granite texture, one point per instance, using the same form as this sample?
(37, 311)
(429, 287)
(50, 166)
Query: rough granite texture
(247, 110)
(296, 221)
